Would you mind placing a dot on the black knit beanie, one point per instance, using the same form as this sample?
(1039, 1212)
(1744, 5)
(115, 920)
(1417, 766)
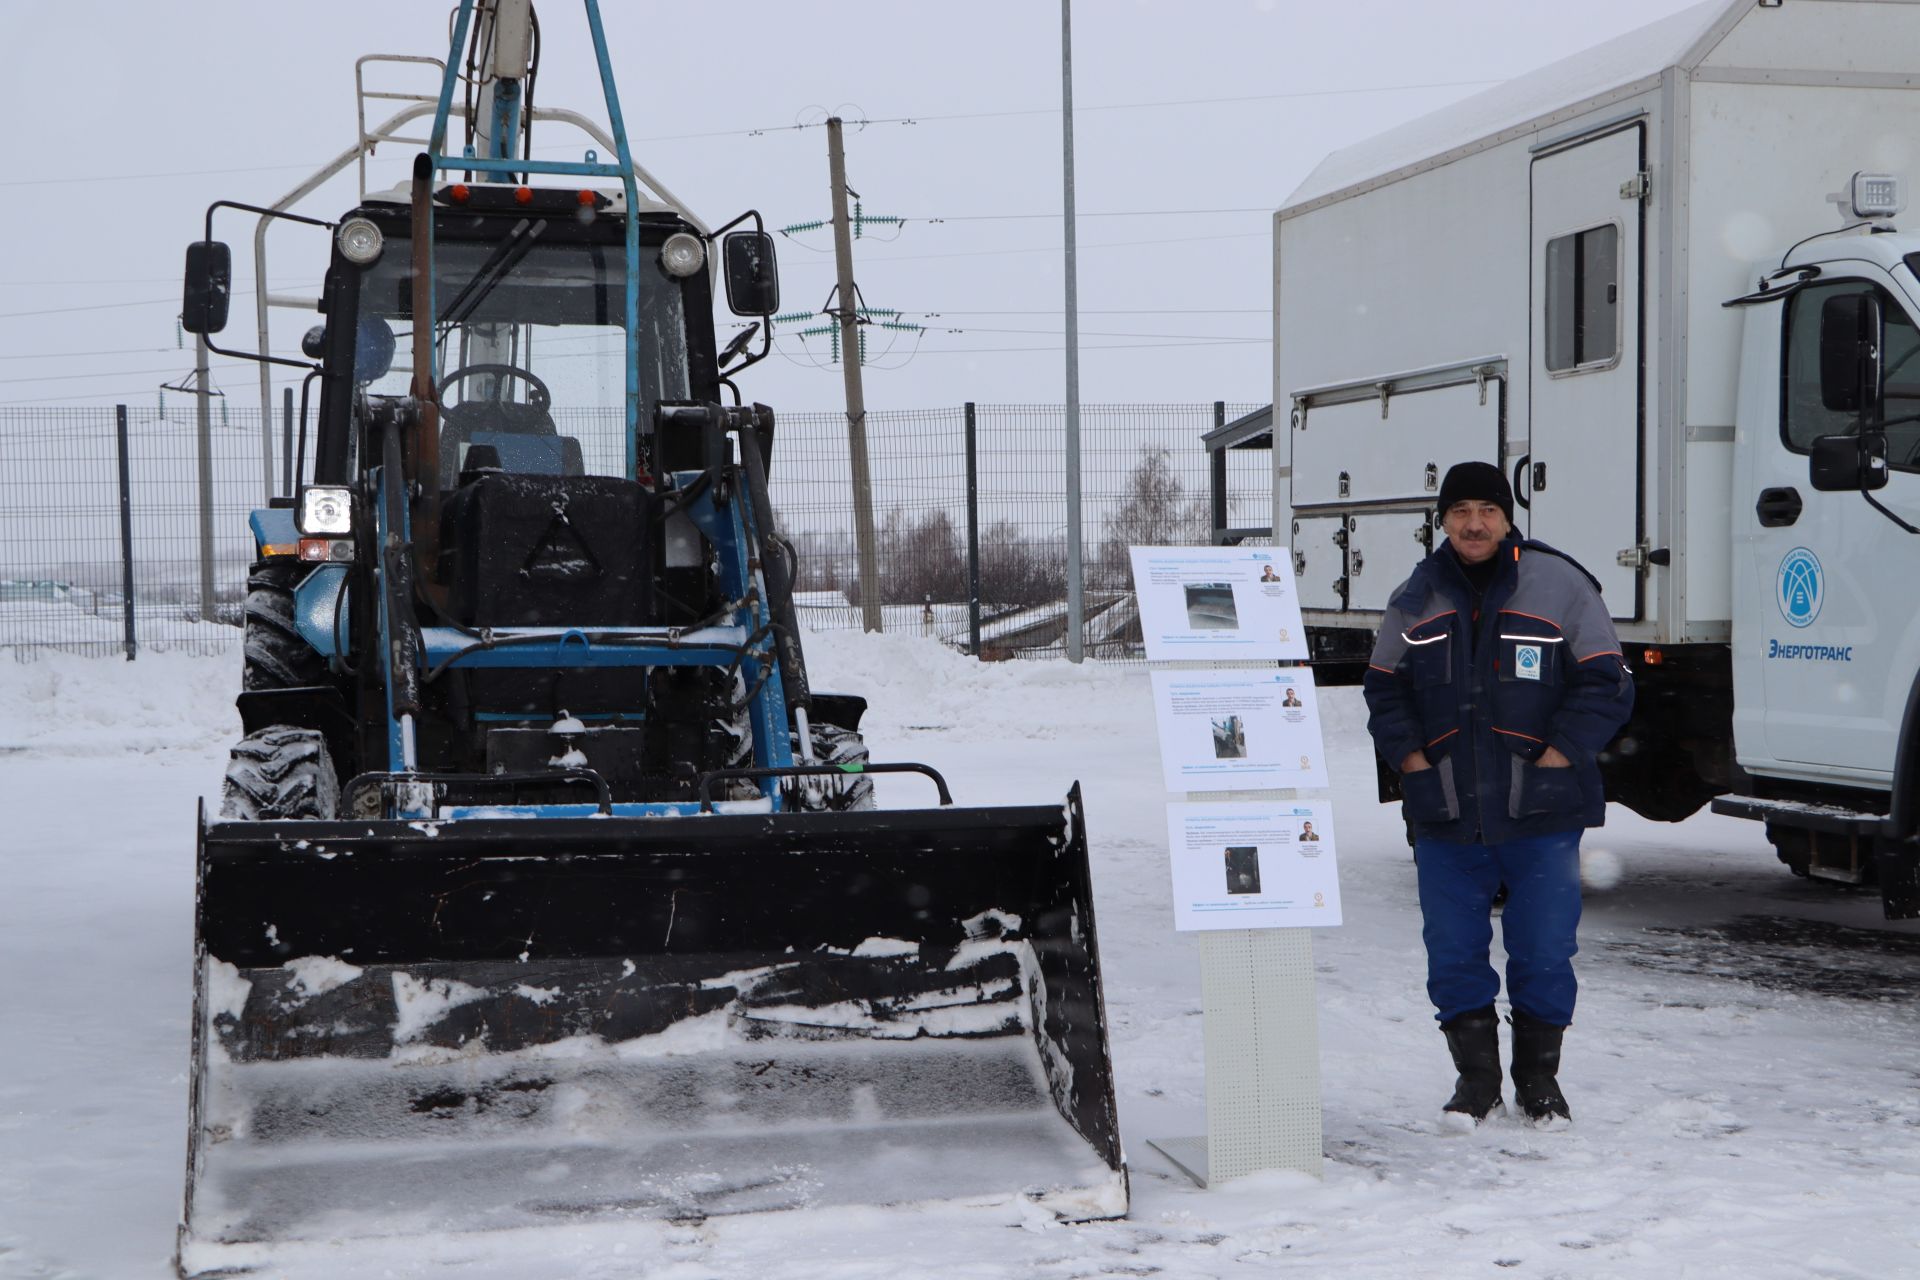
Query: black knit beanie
(1476, 482)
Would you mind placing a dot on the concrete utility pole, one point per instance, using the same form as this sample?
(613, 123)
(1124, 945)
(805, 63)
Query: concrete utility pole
(203, 422)
(856, 398)
(1076, 598)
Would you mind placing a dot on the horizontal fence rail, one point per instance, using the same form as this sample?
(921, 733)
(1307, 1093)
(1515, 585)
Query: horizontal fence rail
(116, 533)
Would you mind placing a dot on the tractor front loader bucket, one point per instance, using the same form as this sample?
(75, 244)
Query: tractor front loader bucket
(406, 1027)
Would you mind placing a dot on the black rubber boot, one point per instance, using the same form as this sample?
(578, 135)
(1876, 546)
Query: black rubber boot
(1536, 1063)
(1474, 1040)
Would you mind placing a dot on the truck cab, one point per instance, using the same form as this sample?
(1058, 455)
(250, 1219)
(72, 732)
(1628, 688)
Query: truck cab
(1826, 636)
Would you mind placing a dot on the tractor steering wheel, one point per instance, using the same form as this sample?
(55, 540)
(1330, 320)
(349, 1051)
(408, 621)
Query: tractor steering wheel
(537, 394)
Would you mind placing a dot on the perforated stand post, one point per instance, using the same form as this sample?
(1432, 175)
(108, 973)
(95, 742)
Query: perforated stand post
(1262, 1058)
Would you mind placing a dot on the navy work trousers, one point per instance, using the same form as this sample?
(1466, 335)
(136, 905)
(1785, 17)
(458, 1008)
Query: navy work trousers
(1457, 884)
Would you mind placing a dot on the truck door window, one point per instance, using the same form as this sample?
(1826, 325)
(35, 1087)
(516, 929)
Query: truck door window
(1804, 419)
(1582, 299)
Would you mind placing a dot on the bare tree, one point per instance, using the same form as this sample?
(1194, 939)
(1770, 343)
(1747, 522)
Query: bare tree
(1153, 511)
(921, 558)
(1014, 570)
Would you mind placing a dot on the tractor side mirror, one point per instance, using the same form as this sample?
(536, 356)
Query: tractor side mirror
(1850, 325)
(753, 277)
(1849, 463)
(209, 279)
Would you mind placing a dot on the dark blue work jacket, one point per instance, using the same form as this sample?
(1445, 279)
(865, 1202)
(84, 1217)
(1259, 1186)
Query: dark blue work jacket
(1483, 696)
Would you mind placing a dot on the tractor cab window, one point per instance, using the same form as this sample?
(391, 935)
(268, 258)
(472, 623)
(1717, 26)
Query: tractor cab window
(530, 342)
(1805, 419)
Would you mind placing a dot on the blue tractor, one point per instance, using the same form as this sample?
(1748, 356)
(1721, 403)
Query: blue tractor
(544, 884)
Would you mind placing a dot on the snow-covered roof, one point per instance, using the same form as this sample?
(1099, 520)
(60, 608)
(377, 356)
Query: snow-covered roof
(1676, 41)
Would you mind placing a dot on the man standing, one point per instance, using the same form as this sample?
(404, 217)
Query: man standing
(1495, 682)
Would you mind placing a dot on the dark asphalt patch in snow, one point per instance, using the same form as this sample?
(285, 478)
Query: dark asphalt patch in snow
(1780, 953)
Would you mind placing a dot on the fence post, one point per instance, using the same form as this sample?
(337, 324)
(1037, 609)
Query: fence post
(126, 527)
(1218, 462)
(203, 419)
(973, 538)
(286, 441)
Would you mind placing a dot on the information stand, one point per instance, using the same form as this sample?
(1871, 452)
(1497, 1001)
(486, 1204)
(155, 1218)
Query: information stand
(1259, 1010)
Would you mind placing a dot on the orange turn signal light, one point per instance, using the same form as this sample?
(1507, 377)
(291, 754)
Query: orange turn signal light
(1652, 657)
(459, 192)
(523, 195)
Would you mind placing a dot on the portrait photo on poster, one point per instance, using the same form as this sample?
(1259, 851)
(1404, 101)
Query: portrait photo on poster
(1253, 865)
(1217, 603)
(1239, 730)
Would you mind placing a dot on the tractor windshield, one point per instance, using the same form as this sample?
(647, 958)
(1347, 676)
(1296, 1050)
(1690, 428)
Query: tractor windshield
(530, 343)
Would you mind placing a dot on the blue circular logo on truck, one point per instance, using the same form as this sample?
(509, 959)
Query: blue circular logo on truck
(1799, 588)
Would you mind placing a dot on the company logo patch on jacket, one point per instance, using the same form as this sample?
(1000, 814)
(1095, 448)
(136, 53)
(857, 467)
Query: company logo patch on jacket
(1526, 661)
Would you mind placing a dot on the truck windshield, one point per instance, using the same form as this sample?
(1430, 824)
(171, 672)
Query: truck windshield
(530, 340)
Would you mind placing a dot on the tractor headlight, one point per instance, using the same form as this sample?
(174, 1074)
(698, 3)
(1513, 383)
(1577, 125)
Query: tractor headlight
(326, 510)
(360, 241)
(682, 255)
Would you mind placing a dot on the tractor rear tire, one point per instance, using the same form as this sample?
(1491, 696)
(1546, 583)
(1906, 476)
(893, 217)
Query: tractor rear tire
(854, 790)
(280, 772)
(277, 655)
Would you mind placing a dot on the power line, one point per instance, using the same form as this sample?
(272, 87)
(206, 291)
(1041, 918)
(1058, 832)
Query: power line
(117, 373)
(1143, 311)
(119, 351)
(1113, 213)
(789, 128)
(1111, 346)
(1211, 337)
(1109, 244)
(103, 306)
(142, 392)
(1078, 110)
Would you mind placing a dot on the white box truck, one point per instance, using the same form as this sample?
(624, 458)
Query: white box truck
(1666, 286)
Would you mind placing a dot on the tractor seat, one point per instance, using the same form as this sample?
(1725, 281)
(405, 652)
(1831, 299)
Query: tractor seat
(523, 436)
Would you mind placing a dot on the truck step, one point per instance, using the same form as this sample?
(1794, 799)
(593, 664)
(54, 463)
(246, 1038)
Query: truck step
(1801, 814)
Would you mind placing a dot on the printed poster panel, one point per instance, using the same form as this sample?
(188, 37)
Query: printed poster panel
(1217, 603)
(1239, 730)
(1238, 865)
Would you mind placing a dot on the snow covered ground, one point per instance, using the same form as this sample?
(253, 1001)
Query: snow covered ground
(1743, 1069)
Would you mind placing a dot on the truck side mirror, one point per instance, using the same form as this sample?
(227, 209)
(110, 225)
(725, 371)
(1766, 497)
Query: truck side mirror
(1850, 354)
(209, 276)
(753, 277)
(1849, 463)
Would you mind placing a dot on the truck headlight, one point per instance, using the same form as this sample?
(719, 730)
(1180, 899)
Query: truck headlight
(682, 255)
(360, 241)
(326, 510)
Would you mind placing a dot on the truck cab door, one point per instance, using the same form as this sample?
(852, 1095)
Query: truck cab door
(1585, 416)
(1826, 635)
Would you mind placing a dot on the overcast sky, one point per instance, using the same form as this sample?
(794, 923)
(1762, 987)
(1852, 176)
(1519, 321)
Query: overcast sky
(1192, 122)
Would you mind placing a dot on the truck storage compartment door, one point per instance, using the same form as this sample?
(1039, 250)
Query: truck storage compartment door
(1320, 561)
(1382, 549)
(1585, 425)
(1393, 438)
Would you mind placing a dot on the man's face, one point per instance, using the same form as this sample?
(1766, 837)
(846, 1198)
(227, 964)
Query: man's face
(1475, 529)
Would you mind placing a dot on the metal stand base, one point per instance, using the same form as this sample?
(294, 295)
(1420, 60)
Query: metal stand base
(1262, 1058)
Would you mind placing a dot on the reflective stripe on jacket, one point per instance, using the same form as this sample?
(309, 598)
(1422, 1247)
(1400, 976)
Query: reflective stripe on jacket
(1484, 697)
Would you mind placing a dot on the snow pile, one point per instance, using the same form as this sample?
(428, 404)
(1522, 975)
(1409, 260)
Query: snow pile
(62, 704)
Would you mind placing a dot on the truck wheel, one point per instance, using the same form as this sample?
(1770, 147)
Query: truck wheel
(277, 657)
(280, 772)
(834, 745)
